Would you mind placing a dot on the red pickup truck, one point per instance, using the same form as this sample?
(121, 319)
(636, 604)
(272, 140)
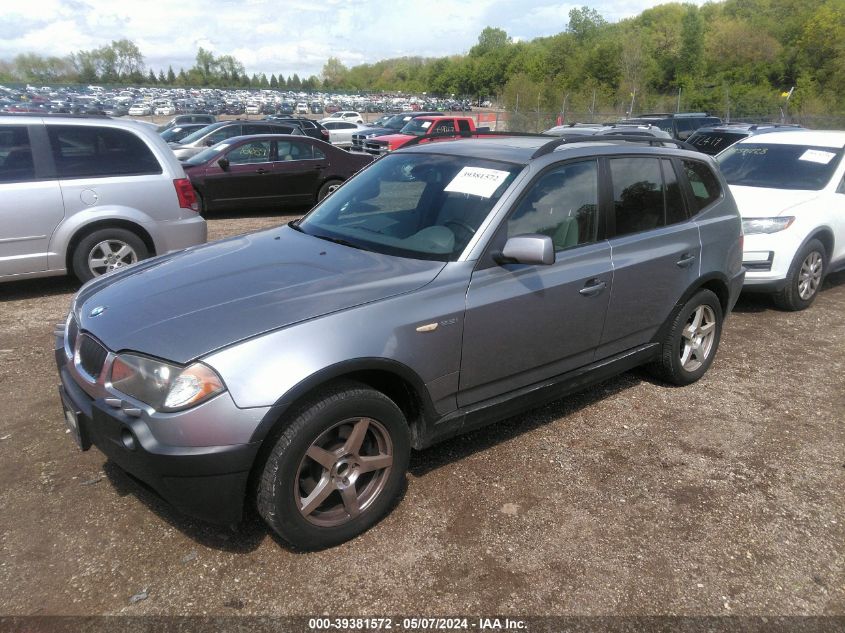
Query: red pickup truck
(425, 128)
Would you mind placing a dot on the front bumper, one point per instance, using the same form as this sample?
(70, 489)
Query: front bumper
(206, 482)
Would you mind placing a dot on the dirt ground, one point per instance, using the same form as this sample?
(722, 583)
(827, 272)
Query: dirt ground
(631, 498)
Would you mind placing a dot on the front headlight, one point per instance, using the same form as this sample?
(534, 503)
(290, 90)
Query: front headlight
(164, 386)
(766, 225)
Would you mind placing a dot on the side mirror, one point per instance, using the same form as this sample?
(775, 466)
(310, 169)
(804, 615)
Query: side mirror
(682, 136)
(224, 163)
(529, 249)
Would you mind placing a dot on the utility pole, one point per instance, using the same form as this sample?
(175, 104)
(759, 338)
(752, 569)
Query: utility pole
(678, 109)
(593, 107)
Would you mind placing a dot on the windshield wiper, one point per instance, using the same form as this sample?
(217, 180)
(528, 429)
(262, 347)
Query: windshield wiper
(336, 240)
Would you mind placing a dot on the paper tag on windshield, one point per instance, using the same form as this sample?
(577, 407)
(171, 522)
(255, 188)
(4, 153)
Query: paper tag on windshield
(425, 124)
(477, 181)
(817, 156)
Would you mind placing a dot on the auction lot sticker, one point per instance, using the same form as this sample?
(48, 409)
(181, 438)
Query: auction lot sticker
(477, 181)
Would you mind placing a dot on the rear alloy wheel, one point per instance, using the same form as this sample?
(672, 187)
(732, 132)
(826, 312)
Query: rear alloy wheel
(336, 468)
(107, 250)
(328, 187)
(691, 342)
(805, 277)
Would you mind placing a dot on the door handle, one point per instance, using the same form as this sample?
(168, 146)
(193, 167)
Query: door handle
(685, 261)
(261, 170)
(593, 287)
(319, 167)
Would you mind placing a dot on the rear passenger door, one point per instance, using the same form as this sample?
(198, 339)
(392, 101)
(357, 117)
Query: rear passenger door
(527, 323)
(31, 204)
(656, 249)
(298, 170)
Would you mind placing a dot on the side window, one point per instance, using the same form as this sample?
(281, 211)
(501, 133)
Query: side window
(637, 194)
(703, 182)
(463, 126)
(223, 133)
(293, 150)
(562, 204)
(254, 152)
(318, 153)
(84, 151)
(446, 127)
(675, 210)
(15, 154)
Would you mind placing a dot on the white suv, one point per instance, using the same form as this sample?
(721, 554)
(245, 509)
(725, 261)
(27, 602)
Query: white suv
(89, 195)
(791, 194)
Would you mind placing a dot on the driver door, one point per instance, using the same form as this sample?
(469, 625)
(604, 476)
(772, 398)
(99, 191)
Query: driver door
(528, 323)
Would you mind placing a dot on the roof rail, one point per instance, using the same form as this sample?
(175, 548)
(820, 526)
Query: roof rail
(551, 146)
(56, 114)
(476, 134)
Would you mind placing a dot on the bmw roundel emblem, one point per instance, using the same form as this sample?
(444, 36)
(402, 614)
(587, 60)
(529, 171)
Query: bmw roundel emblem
(97, 311)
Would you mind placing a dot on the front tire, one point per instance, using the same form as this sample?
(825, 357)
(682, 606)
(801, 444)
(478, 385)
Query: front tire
(336, 468)
(805, 277)
(690, 345)
(106, 250)
(328, 187)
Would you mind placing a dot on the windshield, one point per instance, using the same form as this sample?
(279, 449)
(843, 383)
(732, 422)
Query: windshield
(422, 206)
(398, 122)
(776, 166)
(714, 142)
(173, 134)
(195, 136)
(207, 154)
(416, 127)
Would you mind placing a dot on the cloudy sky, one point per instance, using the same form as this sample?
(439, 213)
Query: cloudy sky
(281, 36)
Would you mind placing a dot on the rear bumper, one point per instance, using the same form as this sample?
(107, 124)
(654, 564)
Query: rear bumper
(179, 234)
(207, 482)
(734, 289)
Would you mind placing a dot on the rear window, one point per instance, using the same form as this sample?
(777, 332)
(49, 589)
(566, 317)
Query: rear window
(86, 151)
(711, 143)
(777, 166)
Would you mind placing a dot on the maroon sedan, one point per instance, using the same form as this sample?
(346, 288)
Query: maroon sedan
(269, 170)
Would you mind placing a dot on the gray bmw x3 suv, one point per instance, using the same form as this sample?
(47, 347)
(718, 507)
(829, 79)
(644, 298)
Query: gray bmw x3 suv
(441, 289)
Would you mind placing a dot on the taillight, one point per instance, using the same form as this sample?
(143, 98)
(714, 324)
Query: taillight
(186, 195)
(325, 133)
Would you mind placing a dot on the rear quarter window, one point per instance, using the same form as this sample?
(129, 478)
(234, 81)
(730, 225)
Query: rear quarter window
(87, 152)
(703, 183)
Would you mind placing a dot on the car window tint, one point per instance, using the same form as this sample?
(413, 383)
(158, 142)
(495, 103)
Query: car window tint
(293, 150)
(463, 126)
(705, 186)
(637, 194)
(675, 210)
(446, 127)
(562, 204)
(15, 154)
(86, 151)
(224, 132)
(318, 153)
(254, 152)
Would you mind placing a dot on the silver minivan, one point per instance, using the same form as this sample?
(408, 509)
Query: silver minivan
(88, 195)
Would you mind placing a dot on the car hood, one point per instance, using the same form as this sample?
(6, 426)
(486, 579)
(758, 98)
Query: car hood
(760, 202)
(374, 131)
(183, 306)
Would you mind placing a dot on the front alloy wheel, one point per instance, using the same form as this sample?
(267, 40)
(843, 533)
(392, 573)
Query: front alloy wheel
(343, 472)
(336, 466)
(804, 279)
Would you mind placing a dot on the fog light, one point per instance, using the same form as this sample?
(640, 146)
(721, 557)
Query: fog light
(128, 440)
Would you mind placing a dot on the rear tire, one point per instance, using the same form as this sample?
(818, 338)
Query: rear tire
(805, 278)
(201, 208)
(328, 187)
(336, 468)
(690, 345)
(106, 250)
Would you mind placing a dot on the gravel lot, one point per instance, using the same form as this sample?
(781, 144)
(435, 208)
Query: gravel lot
(725, 497)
